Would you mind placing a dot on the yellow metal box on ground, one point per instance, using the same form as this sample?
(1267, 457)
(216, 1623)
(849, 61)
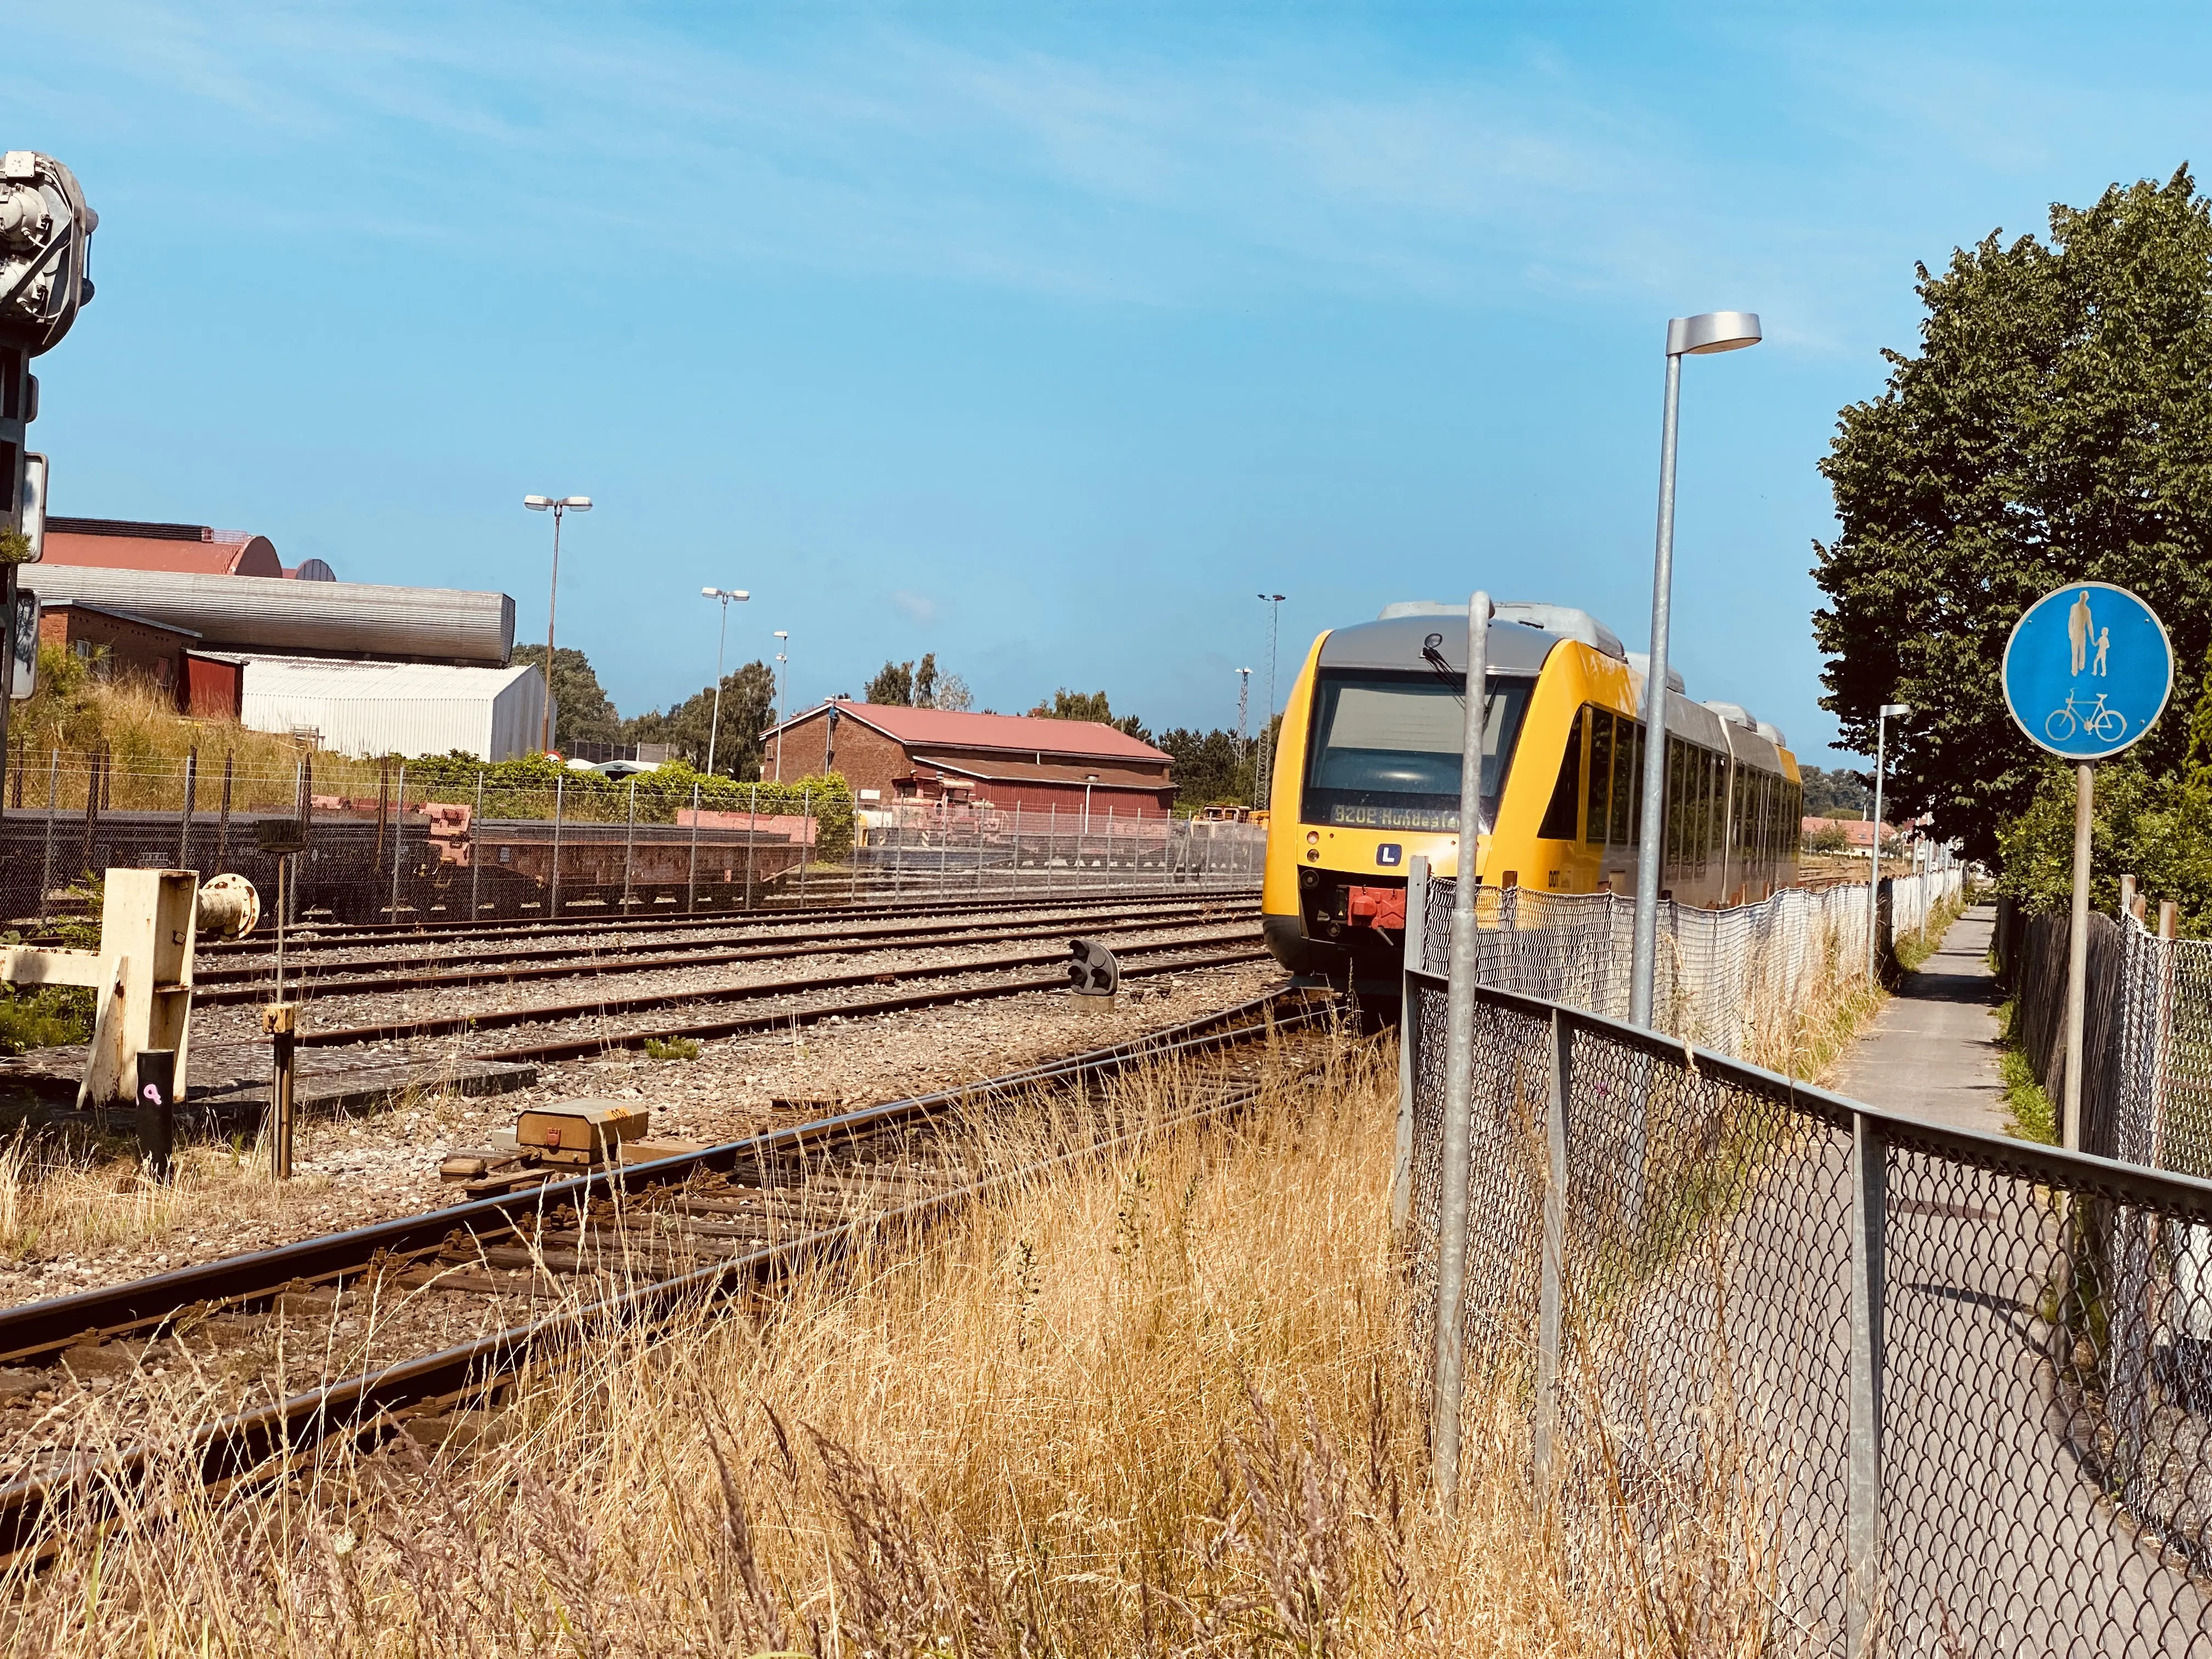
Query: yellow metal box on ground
(581, 1131)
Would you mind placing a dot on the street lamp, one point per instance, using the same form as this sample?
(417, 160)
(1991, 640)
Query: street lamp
(556, 505)
(1686, 336)
(724, 594)
(1089, 778)
(1261, 780)
(782, 635)
(1890, 711)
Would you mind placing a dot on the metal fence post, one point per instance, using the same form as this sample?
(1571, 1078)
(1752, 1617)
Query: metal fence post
(185, 824)
(1416, 958)
(553, 893)
(691, 874)
(1459, 1082)
(476, 851)
(630, 844)
(805, 834)
(752, 826)
(399, 833)
(222, 822)
(1870, 1178)
(53, 798)
(1552, 1272)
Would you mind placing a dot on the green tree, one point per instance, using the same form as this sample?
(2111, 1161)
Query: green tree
(1839, 794)
(2055, 426)
(2155, 827)
(582, 712)
(1067, 705)
(1210, 766)
(748, 699)
(893, 685)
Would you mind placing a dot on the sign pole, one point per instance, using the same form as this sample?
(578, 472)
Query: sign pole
(2088, 672)
(2077, 955)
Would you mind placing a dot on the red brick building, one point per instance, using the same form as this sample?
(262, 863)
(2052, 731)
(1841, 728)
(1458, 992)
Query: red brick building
(889, 754)
(117, 645)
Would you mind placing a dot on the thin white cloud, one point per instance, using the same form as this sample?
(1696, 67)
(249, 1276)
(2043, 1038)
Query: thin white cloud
(915, 607)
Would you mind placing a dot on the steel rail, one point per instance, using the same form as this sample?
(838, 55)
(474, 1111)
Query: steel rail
(366, 1404)
(547, 1013)
(227, 985)
(343, 934)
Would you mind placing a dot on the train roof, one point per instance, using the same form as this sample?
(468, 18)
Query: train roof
(1521, 637)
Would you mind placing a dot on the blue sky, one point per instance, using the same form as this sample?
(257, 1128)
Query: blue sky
(1044, 337)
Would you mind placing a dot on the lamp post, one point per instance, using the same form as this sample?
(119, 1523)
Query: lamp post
(1890, 711)
(724, 594)
(782, 635)
(1261, 779)
(1686, 336)
(558, 506)
(1089, 779)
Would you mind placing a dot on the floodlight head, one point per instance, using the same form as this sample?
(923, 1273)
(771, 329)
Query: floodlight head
(577, 503)
(709, 592)
(782, 635)
(537, 503)
(1712, 332)
(1896, 711)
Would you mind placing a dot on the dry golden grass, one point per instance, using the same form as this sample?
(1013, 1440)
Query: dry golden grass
(147, 743)
(1154, 1402)
(57, 1200)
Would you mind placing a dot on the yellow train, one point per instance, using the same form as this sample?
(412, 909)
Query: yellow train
(1367, 771)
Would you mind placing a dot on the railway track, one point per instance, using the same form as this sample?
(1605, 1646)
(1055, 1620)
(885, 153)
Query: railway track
(705, 946)
(827, 919)
(412, 1324)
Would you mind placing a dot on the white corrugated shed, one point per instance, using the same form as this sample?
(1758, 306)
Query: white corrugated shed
(395, 708)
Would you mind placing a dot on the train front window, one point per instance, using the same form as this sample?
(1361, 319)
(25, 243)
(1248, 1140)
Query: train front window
(1384, 750)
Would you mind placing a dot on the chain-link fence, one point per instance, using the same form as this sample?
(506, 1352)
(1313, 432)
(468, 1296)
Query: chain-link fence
(451, 842)
(2147, 1032)
(1738, 979)
(1024, 850)
(1915, 1390)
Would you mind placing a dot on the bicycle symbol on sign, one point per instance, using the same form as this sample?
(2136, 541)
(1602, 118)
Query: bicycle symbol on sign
(2106, 725)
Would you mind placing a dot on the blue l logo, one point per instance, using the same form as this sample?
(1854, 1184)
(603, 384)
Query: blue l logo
(1389, 854)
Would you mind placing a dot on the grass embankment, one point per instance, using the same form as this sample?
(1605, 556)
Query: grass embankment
(1157, 1402)
(142, 744)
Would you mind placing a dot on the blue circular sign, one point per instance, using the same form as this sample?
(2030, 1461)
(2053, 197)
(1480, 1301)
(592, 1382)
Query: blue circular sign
(2087, 670)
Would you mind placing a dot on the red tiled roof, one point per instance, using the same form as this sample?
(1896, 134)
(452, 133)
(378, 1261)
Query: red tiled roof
(251, 556)
(1019, 771)
(1015, 733)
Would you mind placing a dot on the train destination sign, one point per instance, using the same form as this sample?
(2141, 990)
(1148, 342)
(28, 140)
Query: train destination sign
(2087, 670)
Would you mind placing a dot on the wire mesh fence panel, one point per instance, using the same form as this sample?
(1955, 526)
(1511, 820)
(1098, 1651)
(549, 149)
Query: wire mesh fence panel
(1926, 1391)
(1738, 979)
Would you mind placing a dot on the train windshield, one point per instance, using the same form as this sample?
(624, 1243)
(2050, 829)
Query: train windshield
(1384, 752)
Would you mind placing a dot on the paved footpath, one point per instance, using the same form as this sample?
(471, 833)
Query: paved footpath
(1932, 1051)
(1981, 1478)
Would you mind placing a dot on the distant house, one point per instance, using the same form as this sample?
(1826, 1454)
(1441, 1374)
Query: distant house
(1858, 833)
(889, 754)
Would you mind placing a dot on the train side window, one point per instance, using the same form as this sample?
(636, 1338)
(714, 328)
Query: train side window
(1564, 813)
(1601, 776)
(1627, 775)
(1716, 804)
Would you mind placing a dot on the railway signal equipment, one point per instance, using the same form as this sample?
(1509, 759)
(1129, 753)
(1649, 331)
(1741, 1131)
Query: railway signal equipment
(45, 235)
(150, 921)
(1093, 970)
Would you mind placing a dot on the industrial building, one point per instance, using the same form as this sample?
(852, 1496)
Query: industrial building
(184, 549)
(890, 755)
(217, 618)
(364, 708)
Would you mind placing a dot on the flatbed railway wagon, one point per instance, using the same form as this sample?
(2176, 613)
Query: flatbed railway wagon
(1368, 769)
(421, 864)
